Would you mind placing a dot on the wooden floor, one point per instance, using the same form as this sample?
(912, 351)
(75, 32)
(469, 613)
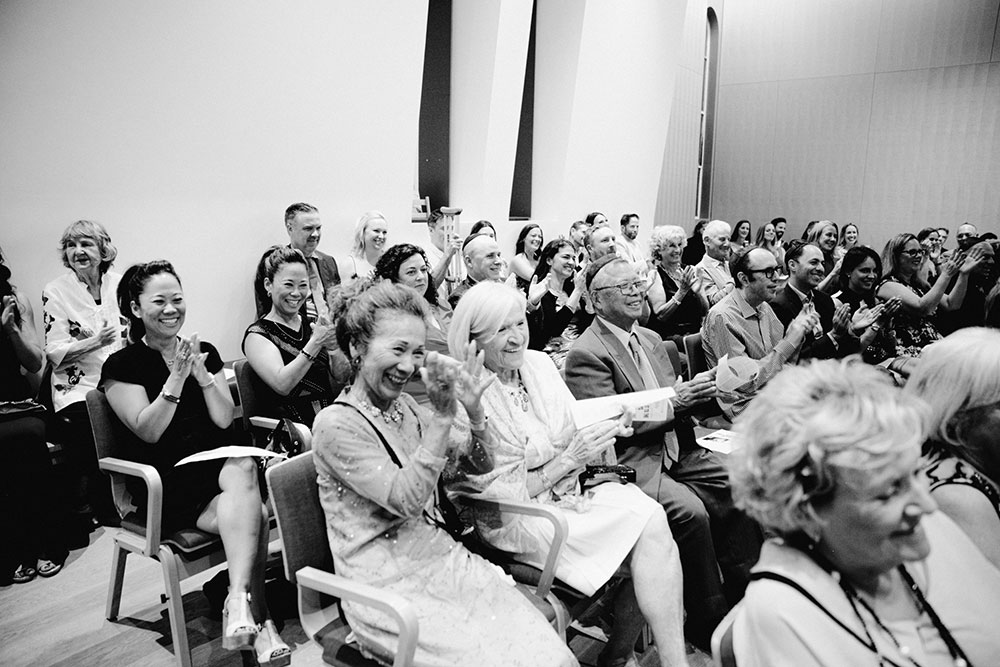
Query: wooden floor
(60, 621)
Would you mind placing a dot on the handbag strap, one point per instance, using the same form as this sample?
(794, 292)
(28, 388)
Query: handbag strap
(389, 450)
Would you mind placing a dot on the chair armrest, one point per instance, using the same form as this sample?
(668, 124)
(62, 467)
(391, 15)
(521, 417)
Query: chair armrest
(264, 422)
(154, 495)
(560, 532)
(385, 601)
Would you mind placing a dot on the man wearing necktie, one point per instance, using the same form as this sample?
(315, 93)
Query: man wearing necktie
(614, 356)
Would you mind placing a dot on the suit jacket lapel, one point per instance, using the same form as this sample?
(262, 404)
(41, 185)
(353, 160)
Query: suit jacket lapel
(620, 355)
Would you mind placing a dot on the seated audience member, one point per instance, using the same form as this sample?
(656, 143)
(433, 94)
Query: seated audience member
(33, 543)
(959, 378)
(481, 255)
(486, 227)
(526, 252)
(370, 234)
(862, 570)
(302, 222)
(972, 311)
(628, 247)
(741, 236)
(836, 335)
(848, 240)
(286, 350)
(379, 456)
(859, 273)
(930, 267)
(82, 328)
(406, 264)
(676, 304)
(171, 393)
(913, 326)
(807, 231)
(615, 355)
(595, 218)
(943, 233)
(780, 225)
(767, 238)
(577, 232)
(713, 270)
(966, 236)
(743, 324)
(538, 455)
(561, 302)
(446, 273)
(992, 307)
(600, 241)
(824, 235)
(695, 248)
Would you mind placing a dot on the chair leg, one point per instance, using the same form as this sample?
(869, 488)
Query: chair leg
(117, 580)
(175, 606)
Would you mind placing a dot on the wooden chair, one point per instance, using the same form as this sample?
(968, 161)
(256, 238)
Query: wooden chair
(309, 565)
(723, 654)
(181, 554)
(258, 418)
(710, 416)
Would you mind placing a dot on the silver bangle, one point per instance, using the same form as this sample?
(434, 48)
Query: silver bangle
(546, 482)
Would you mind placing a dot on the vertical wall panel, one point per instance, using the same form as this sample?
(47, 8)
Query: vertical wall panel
(935, 33)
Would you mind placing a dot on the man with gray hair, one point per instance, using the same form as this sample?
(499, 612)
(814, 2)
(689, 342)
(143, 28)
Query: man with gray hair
(713, 269)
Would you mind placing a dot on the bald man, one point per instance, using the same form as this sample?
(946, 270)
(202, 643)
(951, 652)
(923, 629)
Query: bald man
(481, 256)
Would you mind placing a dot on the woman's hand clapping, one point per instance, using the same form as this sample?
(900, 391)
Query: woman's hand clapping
(591, 440)
(324, 335)
(440, 375)
(473, 379)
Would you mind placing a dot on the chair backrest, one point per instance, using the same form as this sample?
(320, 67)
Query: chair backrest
(107, 428)
(674, 355)
(301, 520)
(723, 654)
(253, 394)
(695, 354)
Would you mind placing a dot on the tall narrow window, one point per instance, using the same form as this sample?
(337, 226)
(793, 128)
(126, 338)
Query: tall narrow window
(435, 104)
(706, 142)
(520, 193)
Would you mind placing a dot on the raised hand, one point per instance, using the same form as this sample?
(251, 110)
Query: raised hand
(198, 358)
(806, 321)
(108, 334)
(954, 263)
(440, 376)
(698, 390)
(183, 360)
(473, 379)
(688, 278)
(324, 334)
(972, 259)
(864, 317)
(842, 319)
(8, 318)
(891, 306)
(536, 290)
(591, 440)
(511, 280)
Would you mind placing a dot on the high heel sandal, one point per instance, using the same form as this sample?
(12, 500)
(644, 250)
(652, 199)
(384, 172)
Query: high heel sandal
(238, 628)
(271, 650)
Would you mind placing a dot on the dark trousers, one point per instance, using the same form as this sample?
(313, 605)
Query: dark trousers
(713, 537)
(90, 486)
(33, 524)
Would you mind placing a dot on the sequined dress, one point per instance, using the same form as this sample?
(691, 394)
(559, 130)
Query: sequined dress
(469, 612)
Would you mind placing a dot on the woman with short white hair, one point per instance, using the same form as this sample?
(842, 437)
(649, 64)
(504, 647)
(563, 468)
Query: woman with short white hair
(370, 234)
(863, 571)
(959, 378)
(676, 303)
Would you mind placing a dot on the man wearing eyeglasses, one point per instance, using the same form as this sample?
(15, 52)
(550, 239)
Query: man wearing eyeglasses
(743, 324)
(613, 356)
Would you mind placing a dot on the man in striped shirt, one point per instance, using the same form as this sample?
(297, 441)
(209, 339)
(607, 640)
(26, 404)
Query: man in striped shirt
(743, 324)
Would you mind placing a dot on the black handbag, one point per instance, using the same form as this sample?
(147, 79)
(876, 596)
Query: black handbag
(595, 475)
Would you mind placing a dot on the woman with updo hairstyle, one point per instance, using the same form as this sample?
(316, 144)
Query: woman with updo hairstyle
(170, 392)
(370, 234)
(676, 303)
(959, 378)
(379, 458)
(33, 541)
(561, 302)
(83, 327)
(527, 250)
(861, 570)
(286, 351)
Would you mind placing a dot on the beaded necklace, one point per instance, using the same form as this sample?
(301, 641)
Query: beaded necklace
(391, 415)
(518, 393)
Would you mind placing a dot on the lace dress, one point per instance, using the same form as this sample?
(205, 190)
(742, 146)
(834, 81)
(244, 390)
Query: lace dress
(469, 611)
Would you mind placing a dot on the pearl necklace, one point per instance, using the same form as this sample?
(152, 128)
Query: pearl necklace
(391, 415)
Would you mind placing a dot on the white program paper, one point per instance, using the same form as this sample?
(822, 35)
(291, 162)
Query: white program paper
(228, 452)
(735, 373)
(650, 405)
(722, 441)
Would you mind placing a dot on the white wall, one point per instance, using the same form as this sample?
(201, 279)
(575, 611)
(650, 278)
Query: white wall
(885, 113)
(187, 128)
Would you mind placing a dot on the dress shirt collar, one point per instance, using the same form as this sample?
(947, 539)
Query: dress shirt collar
(746, 310)
(803, 297)
(618, 332)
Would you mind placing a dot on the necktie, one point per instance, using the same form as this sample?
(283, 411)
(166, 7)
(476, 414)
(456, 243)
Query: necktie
(318, 296)
(650, 382)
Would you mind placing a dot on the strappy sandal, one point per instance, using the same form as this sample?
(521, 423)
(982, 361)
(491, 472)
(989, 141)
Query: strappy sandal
(23, 575)
(271, 650)
(47, 568)
(239, 628)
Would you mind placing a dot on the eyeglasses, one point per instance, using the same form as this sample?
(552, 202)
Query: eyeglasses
(916, 252)
(635, 287)
(768, 273)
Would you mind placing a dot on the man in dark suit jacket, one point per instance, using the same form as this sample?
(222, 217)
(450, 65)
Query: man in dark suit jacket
(615, 356)
(304, 229)
(804, 262)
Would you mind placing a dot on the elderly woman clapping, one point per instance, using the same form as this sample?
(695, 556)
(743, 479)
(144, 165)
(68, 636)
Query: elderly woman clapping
(83, 327)
(538, 453)
(959, 377)
(864, 571)
(676, 303)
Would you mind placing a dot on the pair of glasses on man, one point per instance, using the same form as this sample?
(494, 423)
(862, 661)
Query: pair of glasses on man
(768, 273)
(640, 286)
